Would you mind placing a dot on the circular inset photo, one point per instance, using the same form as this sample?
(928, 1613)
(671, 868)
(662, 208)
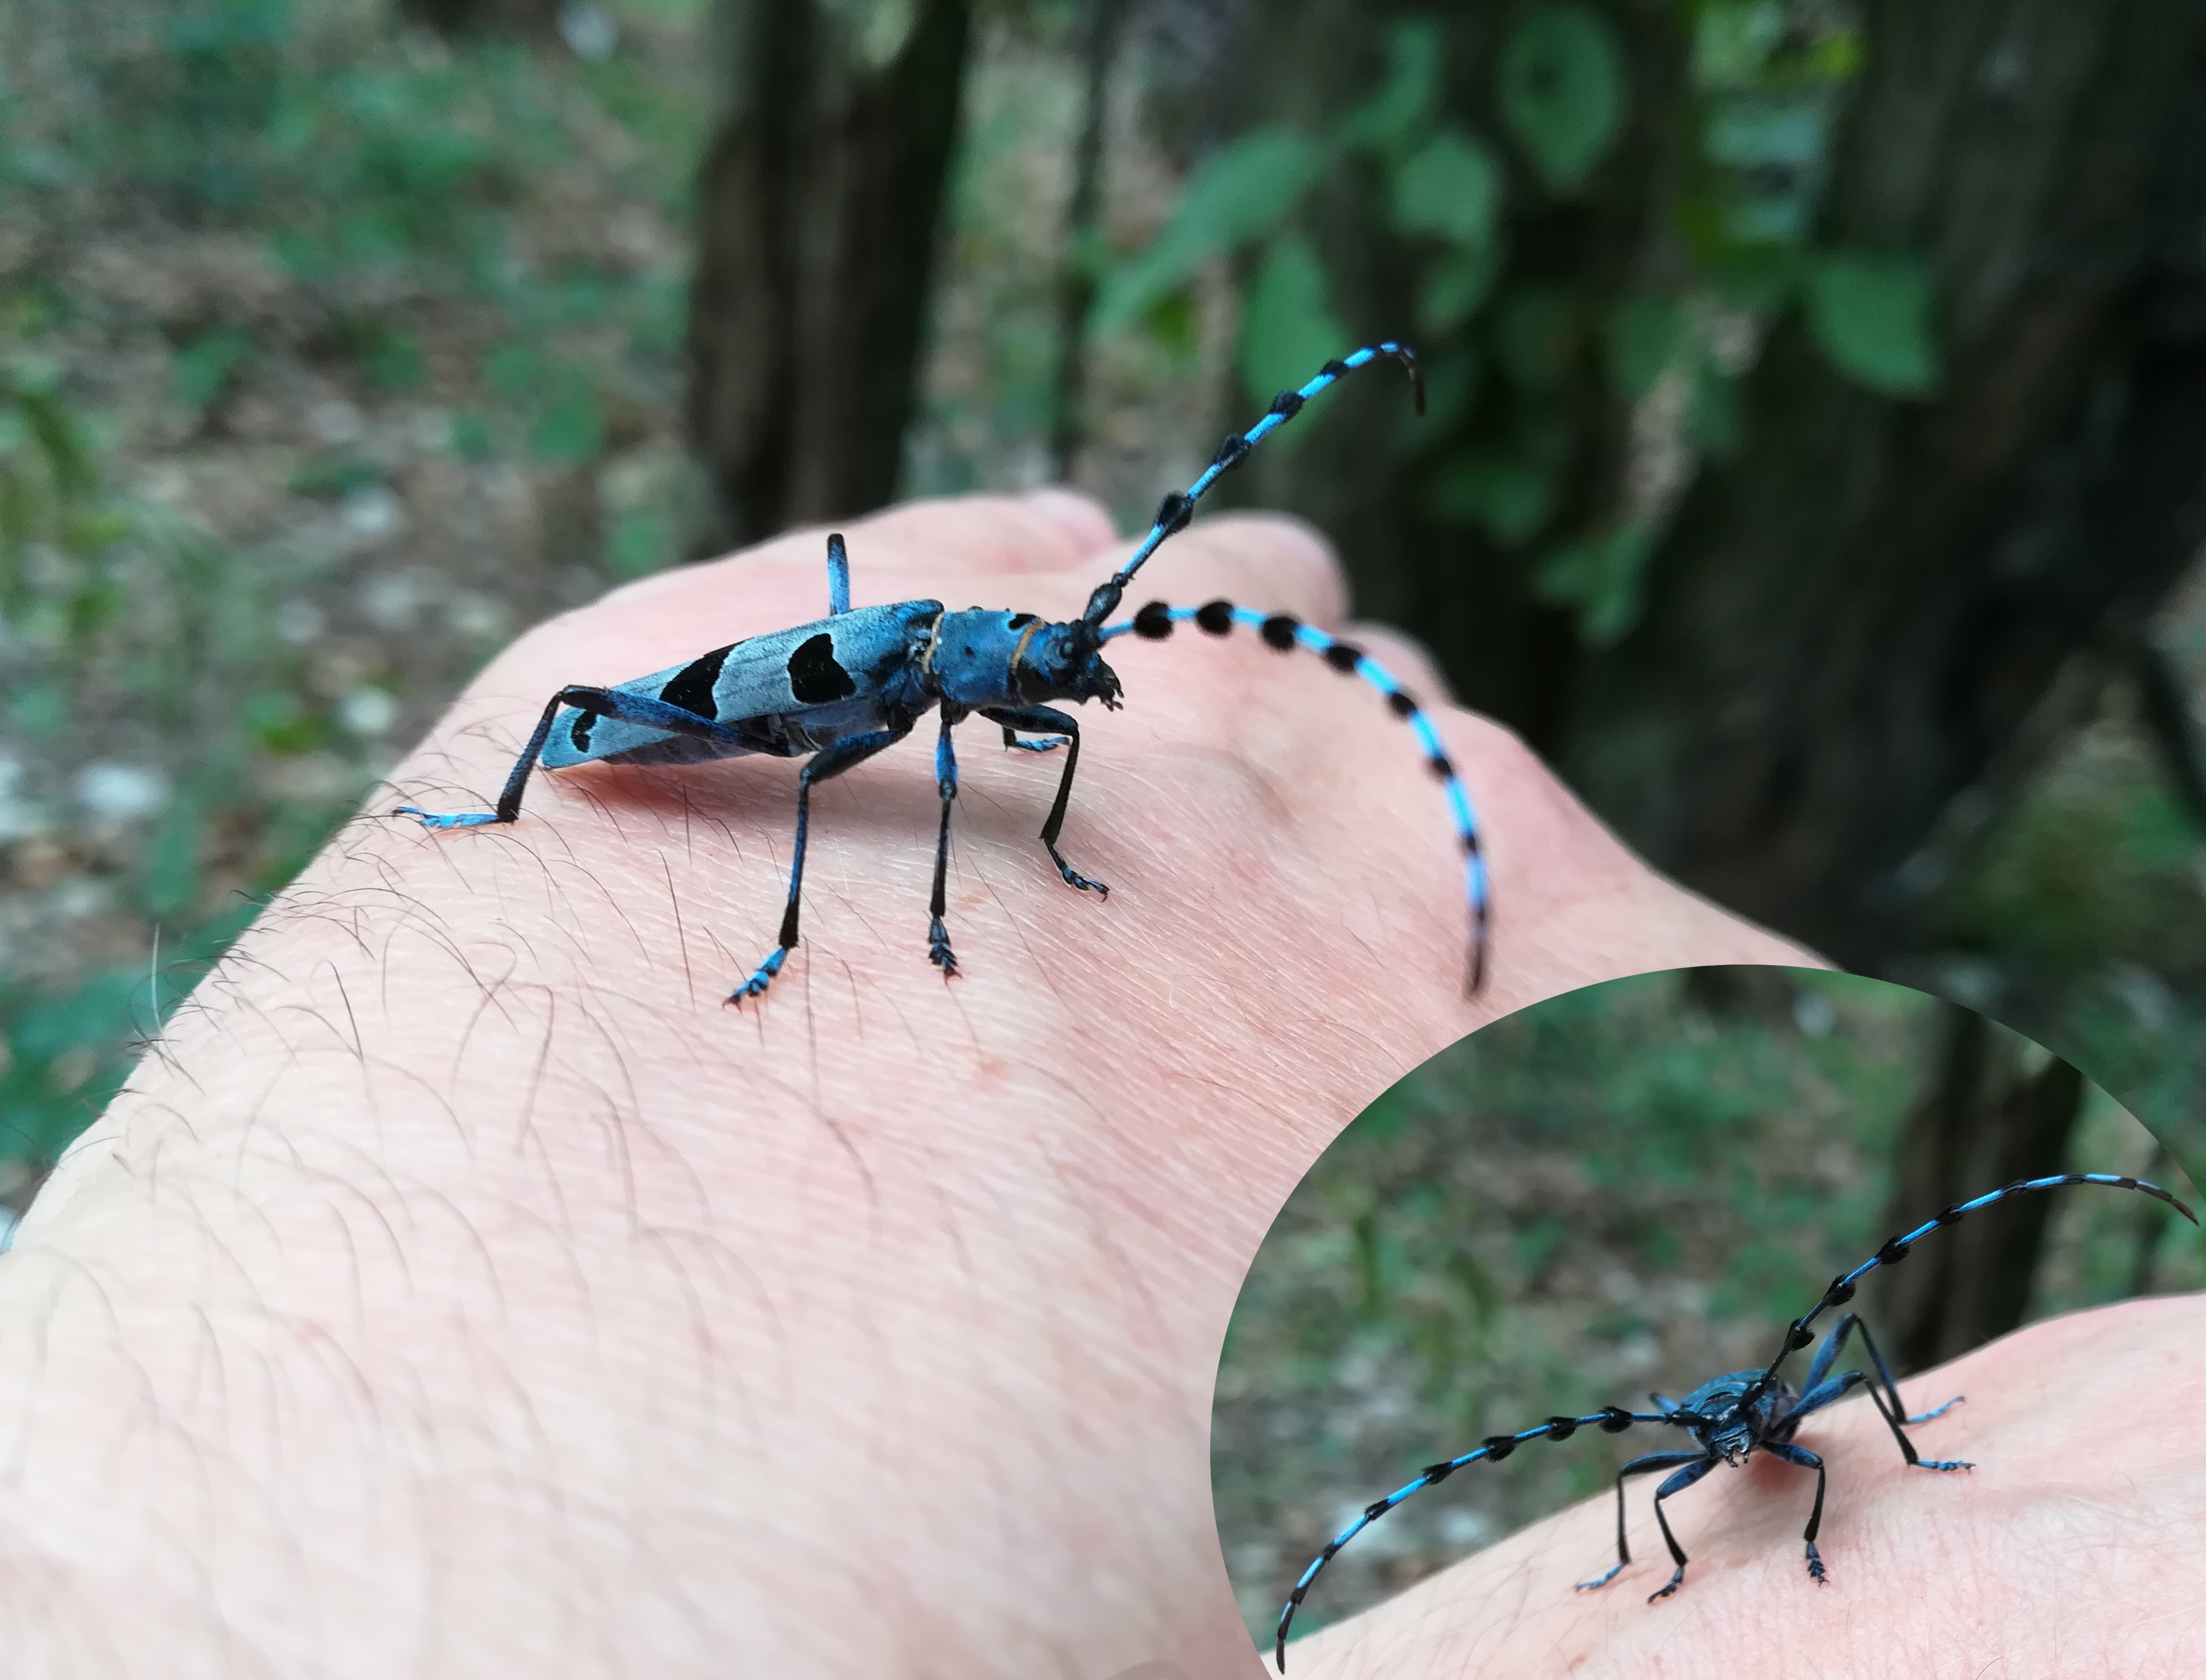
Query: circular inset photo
(1690, 1320)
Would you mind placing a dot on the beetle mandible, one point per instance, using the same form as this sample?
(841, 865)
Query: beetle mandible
(846, 687)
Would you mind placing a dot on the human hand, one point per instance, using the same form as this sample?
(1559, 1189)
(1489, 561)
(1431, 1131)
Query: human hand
(460, 1290)
(2070, 1549)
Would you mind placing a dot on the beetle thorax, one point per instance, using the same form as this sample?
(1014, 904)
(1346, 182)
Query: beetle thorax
(983, 657)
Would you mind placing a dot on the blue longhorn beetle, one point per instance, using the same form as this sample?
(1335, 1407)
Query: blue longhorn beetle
(1735, 1416)
(846, 687)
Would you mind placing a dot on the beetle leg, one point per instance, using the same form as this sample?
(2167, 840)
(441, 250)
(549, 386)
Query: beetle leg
(945, 783)
(1635, 1467)
(831, 762)
(1039, 720)
(614, 703)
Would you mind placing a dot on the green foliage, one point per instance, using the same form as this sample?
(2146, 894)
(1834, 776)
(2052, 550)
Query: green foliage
(1562, 83)
(1393, 118)
(1601, 576)
(1450, 188)
(1769, 78)
(1871, 316)
(388, 179)
(1287, 328)
(1649, 334)
(1509, 496)
(1244, 191)
(203, 368)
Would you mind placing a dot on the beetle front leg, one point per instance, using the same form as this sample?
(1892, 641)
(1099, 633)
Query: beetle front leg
(613, 703)
(1635, 1467)
(1040, 720)
(1677, 1484)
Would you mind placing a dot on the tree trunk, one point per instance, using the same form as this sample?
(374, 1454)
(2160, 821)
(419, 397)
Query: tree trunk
(1979, 1123)
(1100, 30)
(1850, 622)
(818, 204)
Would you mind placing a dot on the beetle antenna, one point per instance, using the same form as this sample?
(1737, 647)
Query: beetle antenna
(1179, 508)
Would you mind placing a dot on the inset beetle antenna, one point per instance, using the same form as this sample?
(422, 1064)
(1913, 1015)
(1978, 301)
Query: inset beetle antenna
(1798, 1333)
(1613, 1420)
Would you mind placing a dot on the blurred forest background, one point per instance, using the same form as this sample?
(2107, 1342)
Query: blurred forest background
(1814, 473)
(1633, 1187)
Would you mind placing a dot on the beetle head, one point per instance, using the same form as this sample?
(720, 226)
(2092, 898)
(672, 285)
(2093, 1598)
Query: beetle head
(1065, 662)
(1734, 1439)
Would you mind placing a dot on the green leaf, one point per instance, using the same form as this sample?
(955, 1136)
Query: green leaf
(1288, 329)
(1563, 91)
(1536, 337)
(204, 367)
(334, 473)
(1453, 374)
(61, 438)
(1714, 413)
(1451, 188)
(393, 361)
(171, 879)
(1601, 576)
(1733, 40)
(1871, 315)
(570, 428)
(1511, 499)
(1646, 336)
(471, 437)
(1241, 192)
(641, 541)
(1454, 287)
(1392, 116)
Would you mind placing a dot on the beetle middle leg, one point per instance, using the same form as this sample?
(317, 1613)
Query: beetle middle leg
(830, 761)
(945, 783)
(1041, 720)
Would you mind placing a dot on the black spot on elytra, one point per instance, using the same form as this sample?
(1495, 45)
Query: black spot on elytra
(1019, 621)
(579, 733)
(692, 686)
(814, 676)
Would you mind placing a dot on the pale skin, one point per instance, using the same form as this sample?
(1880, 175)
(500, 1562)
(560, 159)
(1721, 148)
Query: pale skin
(463, 1290)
